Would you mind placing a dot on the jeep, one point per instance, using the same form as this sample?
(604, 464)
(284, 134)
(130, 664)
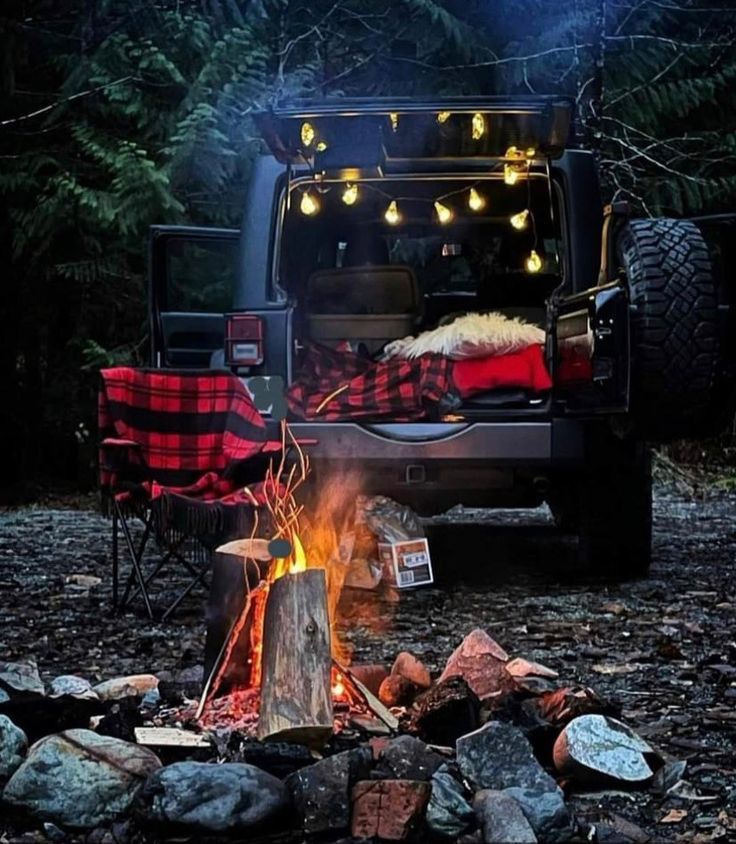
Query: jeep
(369, 220)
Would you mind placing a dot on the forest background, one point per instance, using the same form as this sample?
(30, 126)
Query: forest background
(117, 114)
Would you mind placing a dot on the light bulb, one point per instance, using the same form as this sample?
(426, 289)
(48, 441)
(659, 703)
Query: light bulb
(533, 263)
(350, 194)
(510, 175)
(444, 214)
(530, 152)
(521, 220)
(476, 202)
(443, 116)
(392, 216)
(307, 134)
(394, 118)
(478, 127)
(309, 204)
(321, 146)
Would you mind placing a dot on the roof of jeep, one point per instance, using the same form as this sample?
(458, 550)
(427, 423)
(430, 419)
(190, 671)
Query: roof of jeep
(373, 130)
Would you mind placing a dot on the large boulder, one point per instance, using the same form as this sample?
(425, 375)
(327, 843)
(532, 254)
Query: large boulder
(198, 797)
(407, 758)
(20, 680)
(13, 745)
(79, 779)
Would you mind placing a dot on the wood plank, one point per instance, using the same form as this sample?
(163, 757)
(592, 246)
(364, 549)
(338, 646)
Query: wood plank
(378, 709)
(296, 696)
(169, 737)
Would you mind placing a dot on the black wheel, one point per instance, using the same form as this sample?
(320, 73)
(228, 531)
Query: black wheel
(675, 344)
(609, 506)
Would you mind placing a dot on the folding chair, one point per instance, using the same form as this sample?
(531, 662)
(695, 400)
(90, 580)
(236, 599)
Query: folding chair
(177, 450)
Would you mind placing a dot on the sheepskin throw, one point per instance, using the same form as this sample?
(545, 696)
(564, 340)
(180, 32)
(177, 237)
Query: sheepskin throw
(470, 336)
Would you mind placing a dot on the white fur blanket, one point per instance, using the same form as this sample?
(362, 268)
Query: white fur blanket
(469, 336)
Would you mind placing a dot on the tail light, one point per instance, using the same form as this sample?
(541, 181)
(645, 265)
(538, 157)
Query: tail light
(243, 340)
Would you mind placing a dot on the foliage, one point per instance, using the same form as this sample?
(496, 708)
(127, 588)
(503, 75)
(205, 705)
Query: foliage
(121, 113)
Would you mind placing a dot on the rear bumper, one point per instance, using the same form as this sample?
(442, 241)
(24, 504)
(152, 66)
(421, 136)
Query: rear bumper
(492, 443)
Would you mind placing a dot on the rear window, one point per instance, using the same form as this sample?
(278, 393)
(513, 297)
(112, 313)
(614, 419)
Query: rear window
(200, 275)
(477, 253)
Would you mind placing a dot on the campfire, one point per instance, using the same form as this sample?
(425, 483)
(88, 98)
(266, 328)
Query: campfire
(297, 686)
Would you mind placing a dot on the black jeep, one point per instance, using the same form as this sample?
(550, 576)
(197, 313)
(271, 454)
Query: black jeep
(342, 240)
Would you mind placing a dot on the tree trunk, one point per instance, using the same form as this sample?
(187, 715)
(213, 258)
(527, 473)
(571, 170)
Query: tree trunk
(296, 698)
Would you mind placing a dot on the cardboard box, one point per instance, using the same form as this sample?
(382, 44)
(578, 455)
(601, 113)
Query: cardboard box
(406, 564)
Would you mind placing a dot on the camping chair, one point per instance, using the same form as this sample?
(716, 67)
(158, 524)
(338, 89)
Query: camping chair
(177, 450)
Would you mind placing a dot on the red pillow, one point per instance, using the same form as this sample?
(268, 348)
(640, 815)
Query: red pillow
(525, 369)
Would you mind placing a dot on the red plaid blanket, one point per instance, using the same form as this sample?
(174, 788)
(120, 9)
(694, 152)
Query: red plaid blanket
(340, 385)
(177, 428)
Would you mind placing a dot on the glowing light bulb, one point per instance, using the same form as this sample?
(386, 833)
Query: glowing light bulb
(510, 175)
(307, 134)
(533, 263)
(478, 127)
(443, 116)
(350, 194)
(392, 216)
(521, 220)
(394, 118)
(476, 202)
(530, 152)
(321, 146)
(309, 204)
(444, 214)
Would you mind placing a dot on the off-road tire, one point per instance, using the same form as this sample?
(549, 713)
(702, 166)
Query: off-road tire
(675, 343)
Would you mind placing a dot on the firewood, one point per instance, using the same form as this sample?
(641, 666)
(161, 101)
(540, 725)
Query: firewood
(296, 697)
(378, 709)
(169, 737)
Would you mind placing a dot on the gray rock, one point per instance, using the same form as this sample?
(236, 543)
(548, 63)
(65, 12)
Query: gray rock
(13, 745)
(448, 813)
(72, 686)
(79, 779)
(498, 756)
(21, 679)
(134, 685)
(501, 819)
(408, 758)
(595, 746)
(546, 812)
(208, 798)
(321, 792)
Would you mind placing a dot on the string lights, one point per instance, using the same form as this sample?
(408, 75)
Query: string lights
(476, 201)
(307, 134)
(392, 215)
(520, 221)
(443, 116)
(477, 126)
(444, 214)
(394, 118)
(533, 263)
(309, 205)
(350, 194)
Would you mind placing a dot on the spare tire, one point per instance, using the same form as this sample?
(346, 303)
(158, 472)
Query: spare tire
(675, 342)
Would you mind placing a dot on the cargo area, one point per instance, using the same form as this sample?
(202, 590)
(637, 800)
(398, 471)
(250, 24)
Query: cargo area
(371, 262)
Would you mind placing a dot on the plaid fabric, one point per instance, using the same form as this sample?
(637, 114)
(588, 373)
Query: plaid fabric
(176, 427)
(338, 385)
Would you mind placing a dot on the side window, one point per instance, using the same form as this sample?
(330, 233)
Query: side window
(200, 275)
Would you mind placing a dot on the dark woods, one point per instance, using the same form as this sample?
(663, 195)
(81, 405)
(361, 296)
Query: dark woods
(115, 114)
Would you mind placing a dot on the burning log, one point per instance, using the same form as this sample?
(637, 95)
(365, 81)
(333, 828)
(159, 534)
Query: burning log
(296, 700)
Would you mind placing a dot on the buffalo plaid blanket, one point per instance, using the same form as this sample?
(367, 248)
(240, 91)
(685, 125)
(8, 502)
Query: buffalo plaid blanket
(182, 432)
(337, 384)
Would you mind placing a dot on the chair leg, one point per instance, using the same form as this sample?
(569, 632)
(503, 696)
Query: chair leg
(135, 560)
(115, 558)
(197, 579)
(127, 596)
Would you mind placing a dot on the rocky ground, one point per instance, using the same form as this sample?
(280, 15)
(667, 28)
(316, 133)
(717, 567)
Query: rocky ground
(663, 648)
